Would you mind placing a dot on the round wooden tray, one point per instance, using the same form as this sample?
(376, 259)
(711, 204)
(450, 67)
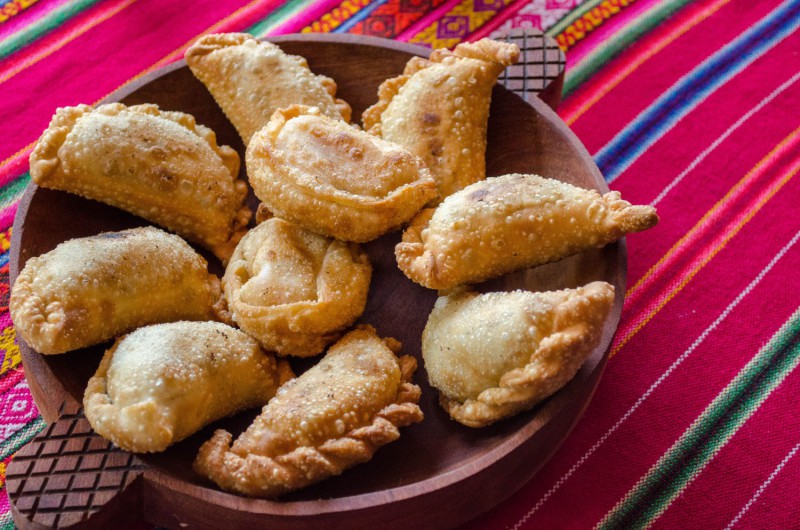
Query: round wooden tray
(438, 475)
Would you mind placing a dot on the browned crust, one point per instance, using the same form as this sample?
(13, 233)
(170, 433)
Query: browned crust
(262, 476)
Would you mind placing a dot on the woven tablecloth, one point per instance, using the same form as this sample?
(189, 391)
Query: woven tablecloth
(693, 107)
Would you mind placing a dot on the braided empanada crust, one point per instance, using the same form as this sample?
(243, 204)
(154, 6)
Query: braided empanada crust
(494, 355)
(329, 419)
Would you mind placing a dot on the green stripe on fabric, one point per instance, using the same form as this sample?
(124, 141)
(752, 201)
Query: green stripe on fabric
(14, 188)
(43, 26)
(6, 520)
(610, 49)
(572, 16)
(711, 431)
(286, 11)
(11, 445)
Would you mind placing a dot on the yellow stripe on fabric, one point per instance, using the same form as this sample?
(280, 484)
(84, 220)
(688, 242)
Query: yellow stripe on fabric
(5, 240)
(710, 255)
(659, 46)
(69, 38)
(12, 357)
(14, 8)
(336, 17)
(430, 35)
(590, 21)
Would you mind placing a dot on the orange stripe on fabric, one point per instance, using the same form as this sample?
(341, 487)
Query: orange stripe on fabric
(694, 233)
(720, 242)
(64, 41)
(662, 43)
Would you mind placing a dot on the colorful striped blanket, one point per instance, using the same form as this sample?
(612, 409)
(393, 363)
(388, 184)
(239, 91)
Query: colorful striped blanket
(691, 106)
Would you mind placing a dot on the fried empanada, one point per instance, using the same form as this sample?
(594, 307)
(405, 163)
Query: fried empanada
(163, 383)
(512, 222)
(92, 289)
(160, 165)
(294, 290)
(494, 355)
(334, 179)
(251, 79)
(335, 415)
(439, 109)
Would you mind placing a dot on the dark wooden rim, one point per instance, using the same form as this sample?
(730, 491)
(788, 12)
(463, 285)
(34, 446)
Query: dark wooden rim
(468, 470)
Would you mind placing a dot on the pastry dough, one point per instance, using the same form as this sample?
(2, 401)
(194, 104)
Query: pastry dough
(92, 289)
(439, 109)
(335, 415)
(251, 79)
(334, 179)
(512, 222)
(494, 355)
(294, 290)
(163, 383)
(159, 165)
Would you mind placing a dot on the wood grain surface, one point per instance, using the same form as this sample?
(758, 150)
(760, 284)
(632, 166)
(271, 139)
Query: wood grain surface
(440, 473)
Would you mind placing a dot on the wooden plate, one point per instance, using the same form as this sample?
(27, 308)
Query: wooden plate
(440, 473)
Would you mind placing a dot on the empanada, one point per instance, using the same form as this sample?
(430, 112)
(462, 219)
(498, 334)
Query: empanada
(439, 109)
(160, 165)
(294, 290)
(334, 179)
(512, 222)
(163, 383)
(251, 79)
(91, 289)
(335, 415)
(494, 355)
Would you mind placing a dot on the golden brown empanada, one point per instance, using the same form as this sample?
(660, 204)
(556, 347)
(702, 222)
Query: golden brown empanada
(512, 222)
(160, 165)
(163, 383)
(494, 355)
(439, 109)
(251, 79)
(293, 290)
(335, 415)
(334, 179)
(91, 289)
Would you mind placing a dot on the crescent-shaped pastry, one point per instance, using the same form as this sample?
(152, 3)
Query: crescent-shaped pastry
(494, 355)
(163, 383)
(251, 79)
(294, 290)
(439, 109)
(92, 289)
(160, 165)
(332, 417)
(512, 222)
(334, 179)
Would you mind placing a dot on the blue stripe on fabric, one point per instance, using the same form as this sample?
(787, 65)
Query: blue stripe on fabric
(359, 16)
(4, 258)
(689, 91)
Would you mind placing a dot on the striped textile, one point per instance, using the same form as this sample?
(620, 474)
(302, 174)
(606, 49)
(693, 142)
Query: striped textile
(687, 105)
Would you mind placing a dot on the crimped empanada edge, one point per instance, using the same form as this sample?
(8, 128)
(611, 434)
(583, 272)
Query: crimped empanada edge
(44, 157)
(271, 477)
(271, 325)
(517, 391)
